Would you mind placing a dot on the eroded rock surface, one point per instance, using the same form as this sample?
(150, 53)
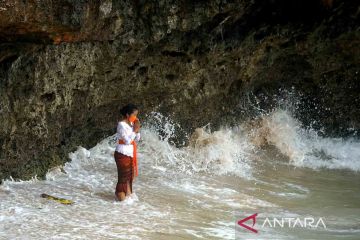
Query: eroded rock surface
(67, 66)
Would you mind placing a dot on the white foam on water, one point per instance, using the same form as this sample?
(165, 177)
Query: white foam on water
(221, 152)
(177, 191)
(231, 150)
(158, 204)
(89, 180)
(304, 147)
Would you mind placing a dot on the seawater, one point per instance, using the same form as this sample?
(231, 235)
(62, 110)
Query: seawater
(272, 167)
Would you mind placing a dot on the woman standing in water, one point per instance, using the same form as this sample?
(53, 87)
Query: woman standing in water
(127, 133)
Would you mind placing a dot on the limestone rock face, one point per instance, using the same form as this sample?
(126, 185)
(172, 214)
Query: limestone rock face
(66, 67)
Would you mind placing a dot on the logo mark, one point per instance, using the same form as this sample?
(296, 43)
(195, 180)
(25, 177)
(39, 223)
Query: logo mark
(253, 217)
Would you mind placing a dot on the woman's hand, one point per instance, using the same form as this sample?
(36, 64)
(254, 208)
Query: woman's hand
(136, 126)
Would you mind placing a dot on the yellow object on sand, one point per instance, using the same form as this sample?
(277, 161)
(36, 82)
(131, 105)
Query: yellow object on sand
(60, 200)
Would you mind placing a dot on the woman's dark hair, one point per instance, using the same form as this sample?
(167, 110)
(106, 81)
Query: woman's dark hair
(128, 109)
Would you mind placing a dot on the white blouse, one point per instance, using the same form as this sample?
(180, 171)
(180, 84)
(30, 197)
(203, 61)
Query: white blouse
(125, 131)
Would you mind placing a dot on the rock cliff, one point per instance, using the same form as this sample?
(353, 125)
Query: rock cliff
(67, 66)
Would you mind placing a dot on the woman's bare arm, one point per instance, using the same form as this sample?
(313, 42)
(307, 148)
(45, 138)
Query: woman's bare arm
(136, 126)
